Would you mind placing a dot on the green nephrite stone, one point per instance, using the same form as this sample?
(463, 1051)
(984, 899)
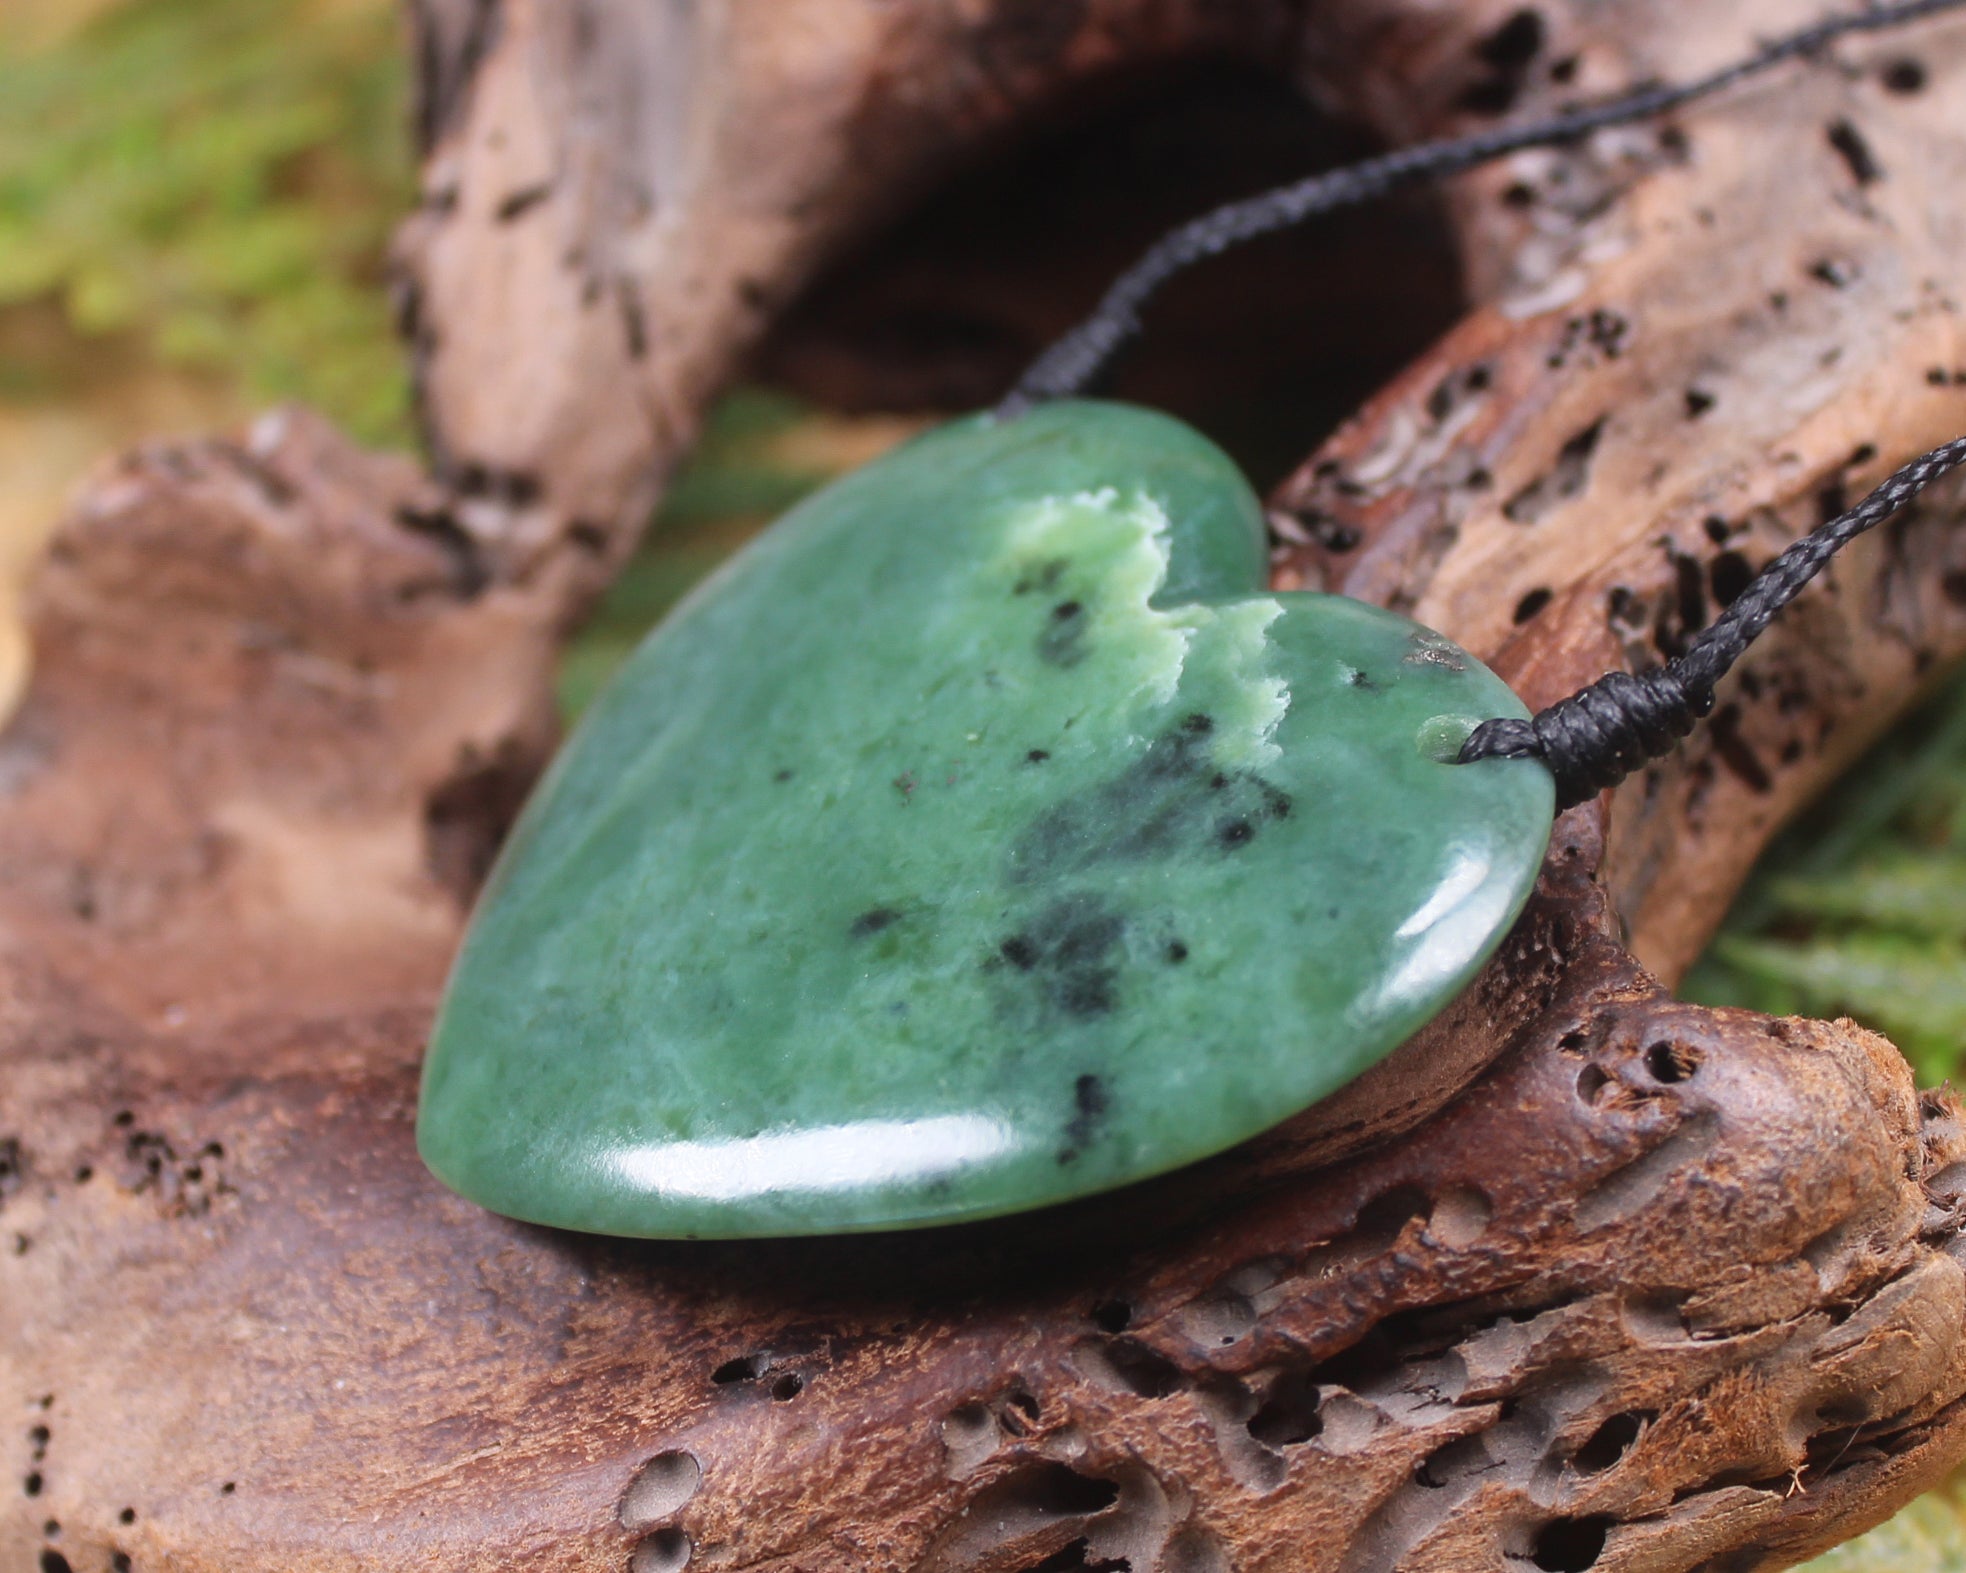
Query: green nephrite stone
(982, 836)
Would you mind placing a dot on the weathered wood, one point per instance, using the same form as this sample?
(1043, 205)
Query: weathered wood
(1662, 1288)
(618, 198)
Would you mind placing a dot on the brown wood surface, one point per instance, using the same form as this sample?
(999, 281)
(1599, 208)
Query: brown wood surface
(1583, 1278)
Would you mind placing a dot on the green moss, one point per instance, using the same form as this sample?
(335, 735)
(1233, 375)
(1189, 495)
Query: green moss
(216, 180)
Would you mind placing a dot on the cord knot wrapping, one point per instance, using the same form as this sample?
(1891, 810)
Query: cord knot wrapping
(1600, 734)
(1624, 720)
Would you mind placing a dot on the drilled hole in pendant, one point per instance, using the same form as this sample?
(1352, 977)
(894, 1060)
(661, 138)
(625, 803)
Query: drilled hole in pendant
(1441, 737)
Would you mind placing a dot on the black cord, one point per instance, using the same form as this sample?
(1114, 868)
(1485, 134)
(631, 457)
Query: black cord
(1600, 735)
(1071, 364)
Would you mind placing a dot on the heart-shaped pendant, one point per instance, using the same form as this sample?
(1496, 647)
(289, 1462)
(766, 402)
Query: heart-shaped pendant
(982, 836)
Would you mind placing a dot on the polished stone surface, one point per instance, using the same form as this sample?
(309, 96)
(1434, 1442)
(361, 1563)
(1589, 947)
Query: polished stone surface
(980, 837)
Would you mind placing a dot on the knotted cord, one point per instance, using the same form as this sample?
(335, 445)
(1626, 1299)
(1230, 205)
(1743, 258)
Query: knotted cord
(1602, 733)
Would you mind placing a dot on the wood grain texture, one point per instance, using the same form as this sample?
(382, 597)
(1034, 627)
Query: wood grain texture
(1583, 1277)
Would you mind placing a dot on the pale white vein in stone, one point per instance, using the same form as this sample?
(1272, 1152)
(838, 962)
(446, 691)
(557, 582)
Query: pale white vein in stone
(1125, 540)
(1258, 700)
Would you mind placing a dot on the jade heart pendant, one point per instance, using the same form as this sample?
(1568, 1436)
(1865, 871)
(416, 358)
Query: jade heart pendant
(984, 835)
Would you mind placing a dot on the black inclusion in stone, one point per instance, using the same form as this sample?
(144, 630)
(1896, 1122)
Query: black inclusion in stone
(1089, 1104)
(1069, 956)
(782, 775)
(1037, 756)
(873, 921)
(1169, 801)
(1177, 952)
(1083, 939)
(1062, 643)
(1044, 576)
(1020, 952)
(1087, 993)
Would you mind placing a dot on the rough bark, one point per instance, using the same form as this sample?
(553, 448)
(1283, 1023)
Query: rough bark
(626, 194)
(1662, 1288)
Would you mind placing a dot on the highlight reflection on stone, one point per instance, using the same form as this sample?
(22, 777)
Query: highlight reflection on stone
(983, 836)
(816, 1161)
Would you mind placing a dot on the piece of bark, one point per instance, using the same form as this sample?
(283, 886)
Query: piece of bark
(1664, 1288)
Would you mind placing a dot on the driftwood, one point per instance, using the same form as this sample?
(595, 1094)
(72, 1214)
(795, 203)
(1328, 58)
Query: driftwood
(1584, 1278)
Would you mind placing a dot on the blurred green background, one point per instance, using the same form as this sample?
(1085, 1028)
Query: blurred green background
(196, 198)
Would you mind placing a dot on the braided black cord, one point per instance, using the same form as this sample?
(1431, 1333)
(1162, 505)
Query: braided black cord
(1601, 734)
(1071, 363)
